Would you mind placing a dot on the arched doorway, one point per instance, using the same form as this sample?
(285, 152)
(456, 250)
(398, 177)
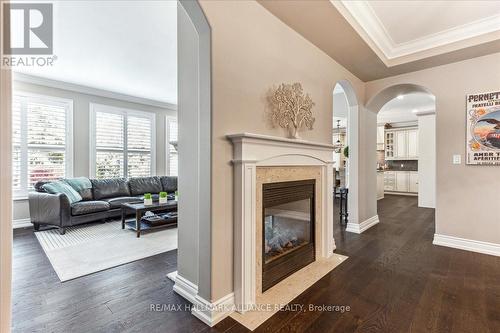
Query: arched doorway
(407, 158)
(345, 106)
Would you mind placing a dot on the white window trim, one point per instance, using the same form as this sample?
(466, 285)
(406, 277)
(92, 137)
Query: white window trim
(169, 147)
(67, 103)
(94, 107)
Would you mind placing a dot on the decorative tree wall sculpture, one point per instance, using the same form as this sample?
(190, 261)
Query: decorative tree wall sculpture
(291, 109)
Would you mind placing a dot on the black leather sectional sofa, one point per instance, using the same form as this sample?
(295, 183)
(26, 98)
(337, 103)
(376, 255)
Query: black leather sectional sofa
(100, 202)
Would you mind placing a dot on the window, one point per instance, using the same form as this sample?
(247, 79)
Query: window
(41, 140)
(172, 157)
(122, 142)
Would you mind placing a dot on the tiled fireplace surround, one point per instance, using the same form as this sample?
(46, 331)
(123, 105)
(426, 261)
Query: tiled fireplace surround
(260, 159)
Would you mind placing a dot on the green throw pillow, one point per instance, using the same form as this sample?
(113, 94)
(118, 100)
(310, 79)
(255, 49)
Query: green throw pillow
(61, 187)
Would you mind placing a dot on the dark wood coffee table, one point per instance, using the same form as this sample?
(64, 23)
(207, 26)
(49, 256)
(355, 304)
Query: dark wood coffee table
(139, 209)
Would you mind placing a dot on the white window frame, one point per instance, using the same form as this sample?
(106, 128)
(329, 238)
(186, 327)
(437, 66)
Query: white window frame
(169, 147)
(22, 194)
(97, 107)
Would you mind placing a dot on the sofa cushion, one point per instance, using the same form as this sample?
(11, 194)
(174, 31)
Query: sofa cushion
(62, 187)
(82, 185)
(117, 202)
(110, 188)
(169, 183)
(87, 207)
(143, 185)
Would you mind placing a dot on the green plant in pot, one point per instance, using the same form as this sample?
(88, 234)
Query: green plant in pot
(148, 199)
(163, 197)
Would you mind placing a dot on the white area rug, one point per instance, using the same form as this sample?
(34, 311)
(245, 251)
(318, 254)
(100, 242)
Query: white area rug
(92, 248)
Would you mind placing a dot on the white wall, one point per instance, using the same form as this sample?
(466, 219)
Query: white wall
(81, 130)
(427, 161)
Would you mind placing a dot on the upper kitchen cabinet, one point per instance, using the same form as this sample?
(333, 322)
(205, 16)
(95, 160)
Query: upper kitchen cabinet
(380, 137)
(401, 144)
(412, 143)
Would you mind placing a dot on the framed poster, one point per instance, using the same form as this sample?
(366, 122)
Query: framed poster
(483, 128)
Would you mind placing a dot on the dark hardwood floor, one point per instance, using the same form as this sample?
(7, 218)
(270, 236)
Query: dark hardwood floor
(395, 280)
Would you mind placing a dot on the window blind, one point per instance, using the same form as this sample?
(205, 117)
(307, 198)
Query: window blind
(123, 142)
(172, 156)
(40, 134)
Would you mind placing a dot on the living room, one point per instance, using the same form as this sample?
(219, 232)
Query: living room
(243, 177)
(95, 145)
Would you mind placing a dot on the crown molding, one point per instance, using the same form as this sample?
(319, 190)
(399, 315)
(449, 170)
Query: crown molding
(362, 17)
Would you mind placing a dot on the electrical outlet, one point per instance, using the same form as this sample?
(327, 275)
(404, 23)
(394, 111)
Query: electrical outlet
(457, 159)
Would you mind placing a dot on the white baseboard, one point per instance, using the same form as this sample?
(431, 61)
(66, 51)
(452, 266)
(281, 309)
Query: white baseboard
(467, 244)
(409, 194)
(21, 223)
(184, 287)
(208, 312)
(213, 312)
(358, 228)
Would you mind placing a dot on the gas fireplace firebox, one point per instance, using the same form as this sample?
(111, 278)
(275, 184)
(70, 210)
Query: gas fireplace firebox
(288, 229)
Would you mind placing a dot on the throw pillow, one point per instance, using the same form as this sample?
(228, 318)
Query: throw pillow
(61, 187)
(82, 185)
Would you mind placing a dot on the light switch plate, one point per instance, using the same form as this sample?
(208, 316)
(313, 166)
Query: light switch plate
(457, 159)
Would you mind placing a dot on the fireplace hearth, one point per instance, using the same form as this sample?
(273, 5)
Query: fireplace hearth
(288, 215)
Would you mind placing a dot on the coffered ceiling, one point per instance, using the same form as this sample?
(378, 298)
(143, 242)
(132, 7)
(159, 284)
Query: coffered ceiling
(376, 39)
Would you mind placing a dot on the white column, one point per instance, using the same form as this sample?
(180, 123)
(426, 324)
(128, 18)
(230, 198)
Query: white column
(244, 234)
(427, 159)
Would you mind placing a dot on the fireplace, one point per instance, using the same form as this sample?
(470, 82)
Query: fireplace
(288, 215)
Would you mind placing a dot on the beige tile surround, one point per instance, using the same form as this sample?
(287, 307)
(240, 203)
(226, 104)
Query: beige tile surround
(276, 175)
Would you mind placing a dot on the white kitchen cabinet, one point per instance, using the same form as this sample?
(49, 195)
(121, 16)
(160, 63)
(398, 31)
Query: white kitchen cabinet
(380, 137)
(380, 185)
(389, 181)
(412, 143)
(389, 145)
(401, 145)
(402, 181)
(413, 182)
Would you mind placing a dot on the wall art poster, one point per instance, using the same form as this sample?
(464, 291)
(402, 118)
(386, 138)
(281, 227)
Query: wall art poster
(483, 128)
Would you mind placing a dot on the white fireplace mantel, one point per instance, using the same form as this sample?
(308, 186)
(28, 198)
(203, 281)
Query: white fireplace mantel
(251, 151)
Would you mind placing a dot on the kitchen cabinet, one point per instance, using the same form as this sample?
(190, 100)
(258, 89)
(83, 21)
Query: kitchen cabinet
(401, 144)
(413, 182)
(412, 144)
(380, 137)
(389, 145)
(401, 182)
(380, 185)
(389, 181)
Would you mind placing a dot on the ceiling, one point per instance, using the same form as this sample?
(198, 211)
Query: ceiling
(127, 47)
(404, 108)
(377, 39)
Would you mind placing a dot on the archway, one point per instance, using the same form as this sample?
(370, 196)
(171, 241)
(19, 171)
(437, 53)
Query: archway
(421, 126)
(352, 173)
